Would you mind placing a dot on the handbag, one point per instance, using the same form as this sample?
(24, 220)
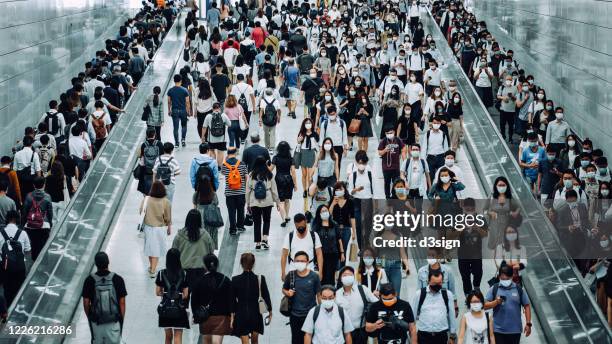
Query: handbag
(202, 313)
(146, 112)
(248, 218)
(137, 173)
(354, 250)
(285, 304)
(186, 54)
(354, 126)
(297, 157)
(212, 216)
(142, 213)
(263, 307)
(243, 123)
(284, 91)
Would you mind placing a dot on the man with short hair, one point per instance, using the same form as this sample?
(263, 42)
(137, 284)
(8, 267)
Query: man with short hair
(254, 151)
(327, 322)
(6, 203)
(234, 192)
(13, 276)
(169, 168)
(37, 216)
(204, 159)
(269, 117)
(433, 309)
(105, 320)
(391, 319)
(435, 143)
(27, 165)
(179, 108)
(301, 239)
(55, 121)
(291, 79)
(136, 66)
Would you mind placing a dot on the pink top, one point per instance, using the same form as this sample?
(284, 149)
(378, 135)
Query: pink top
(234, 113)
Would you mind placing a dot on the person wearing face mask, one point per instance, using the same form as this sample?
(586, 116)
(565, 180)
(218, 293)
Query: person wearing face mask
(433, 78)
(348, 109)
(531, 158)
(391, 149)
(500, 209)
(584, 160)
(572, 223)
(506, 96)
(331, 242)
(416, 174)
(363, 111)
(408, 126)
(510, 252)
(570, 151)
(327, 322)
(308, 146)
(416, 61)
(301, 239)
(483, 76)
(433, 307)
(603, 173)
(523, 103)
(360, 183)
(391, 319)
(454, 112)
(341, 82)
(342, 209)
(590, 185)
(568, 182)
(549, 175)
(370, 273)
(534, 111)
(324, 64)
(434, 264)
(434, 145)
(470, 251)
(387, 85)
(354, 298)
(400, 62)
(602, 213)
(311, 87)
(476, 326)
(557, 131)
(335, 129)
(327, 170)
(301, 287)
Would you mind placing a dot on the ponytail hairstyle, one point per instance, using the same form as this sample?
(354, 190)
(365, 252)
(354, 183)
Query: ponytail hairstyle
(156, 93)
(211, 262)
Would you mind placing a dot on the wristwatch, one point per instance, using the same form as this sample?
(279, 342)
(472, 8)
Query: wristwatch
(529, 324)
(452, 336)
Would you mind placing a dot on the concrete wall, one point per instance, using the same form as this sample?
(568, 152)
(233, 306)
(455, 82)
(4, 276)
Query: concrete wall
(44, 44)
(567, 46)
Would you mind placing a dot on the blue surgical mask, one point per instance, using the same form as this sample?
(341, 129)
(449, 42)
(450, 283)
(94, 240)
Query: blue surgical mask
(505, 283)
(584, 163)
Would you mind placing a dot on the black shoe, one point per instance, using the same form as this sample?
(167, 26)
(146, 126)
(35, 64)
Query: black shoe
(232, 232)
(258, 247)
(264, 245)
(183, 143)
(240, 229)
(304, 195)
(510, 141)
(284, 224)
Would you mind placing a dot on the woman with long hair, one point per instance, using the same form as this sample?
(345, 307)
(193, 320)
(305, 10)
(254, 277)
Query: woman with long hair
(501, 208)
(204, 100)
(342, 209)
(157, 223)
(171, 285)
(308, 146)
(261, 195)
(214, 292)
(248, 287)
(390, 110)
(156, 116)
(331, 241)
(193, 242)
(206, 197)
(56, 187)
(327, 163)
(369, 272)
(286, 180)
(363, 111)
(234, 113)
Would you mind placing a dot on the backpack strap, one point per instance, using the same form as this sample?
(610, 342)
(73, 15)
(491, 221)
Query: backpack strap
(421, 300)
(17, 234)
(4, 234)
(290, 240)
(371, 186)
(445, 298)
(488, 328)
(365, 302)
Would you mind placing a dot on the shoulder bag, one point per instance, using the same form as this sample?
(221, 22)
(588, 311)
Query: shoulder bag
(285, 304)
(263, 307)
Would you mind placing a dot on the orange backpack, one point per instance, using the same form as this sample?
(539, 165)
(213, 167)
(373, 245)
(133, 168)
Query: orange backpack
(234, 179)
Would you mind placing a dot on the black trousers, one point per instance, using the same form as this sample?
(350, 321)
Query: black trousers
(435, 162)
(506, 118)
(330, 265)
(507, 338)
(339, 150)
(38, 239)
(235, 210)
(359, 336)
(261, 214)
(11, 284)
(433, 337)
(296, 323)
(201, 116)
(469, 268)
(390, 176)
(414, 21)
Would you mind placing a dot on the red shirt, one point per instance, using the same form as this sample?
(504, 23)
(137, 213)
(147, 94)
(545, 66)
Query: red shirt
(259, 36)
(225, 45)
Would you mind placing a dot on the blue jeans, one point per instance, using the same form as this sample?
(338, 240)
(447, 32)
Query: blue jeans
(234, 133)
(179, 116)
(393, 268)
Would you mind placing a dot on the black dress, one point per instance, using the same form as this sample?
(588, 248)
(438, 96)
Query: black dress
(246, 294)
(183, 322)
(283, 179)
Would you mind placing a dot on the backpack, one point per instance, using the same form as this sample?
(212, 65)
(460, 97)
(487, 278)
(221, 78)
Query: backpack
(341, 127)
(444, 137)
(52, 123)
(203, 170)
(260, 189)
(105, 304)
(150, 154)
(369, 177)
(242, 101)
(36, 217)
(422, 299)
(314, 243)
(164, 171)
(46, 158)
(315, 315)
(171, 305)
(25, 174)
(12, 253)
(422, 166)
(269, 115)
(217, 127)
(234, 178)
(99, 126)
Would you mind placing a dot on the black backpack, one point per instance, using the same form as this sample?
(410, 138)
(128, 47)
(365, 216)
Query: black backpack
(269, 115)
(260, 189)
(204, 170)
(164, 171)
(422, 299)
(315, 315)
(171, 305)
(12, 253)
(242, 101)
(52, 123)
(217, 127)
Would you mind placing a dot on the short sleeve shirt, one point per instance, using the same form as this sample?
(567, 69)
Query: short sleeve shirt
(507, 316)
(178, 94)
(391, 159)
(306, 289)
(89, 287)
(401, 309)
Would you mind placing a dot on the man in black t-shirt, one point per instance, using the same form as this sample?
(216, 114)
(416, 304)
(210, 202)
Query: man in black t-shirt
(390, 319)
(220, 83)
(103, 330)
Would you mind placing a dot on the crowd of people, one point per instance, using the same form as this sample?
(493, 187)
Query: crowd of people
(353, 67)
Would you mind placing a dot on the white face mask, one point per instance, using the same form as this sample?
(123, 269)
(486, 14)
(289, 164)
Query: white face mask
(332, 117)
(339, 193)
(327, 146)
(508, 82)
(357, 83)
(361, 167)
(449, 162)
(324, 215)
(327, 304)
(415, 153)
(571, 143)
(323, 54)
(436, 126)
(604, 243)
(313, 75)
(559, 115)
(540, 96)
(368, 261)
(505, 283)
(511, 236)
(476, 307)
(300, 266)
(352, 93)
(502, 189)
(390, 136)
(348, 280)
(431, 261)
(605, 192)
(327, 98)
(308, 125)
(437, 93)
(445, 179)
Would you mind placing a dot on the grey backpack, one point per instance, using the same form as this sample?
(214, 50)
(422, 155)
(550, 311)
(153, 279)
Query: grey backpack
(105, 305)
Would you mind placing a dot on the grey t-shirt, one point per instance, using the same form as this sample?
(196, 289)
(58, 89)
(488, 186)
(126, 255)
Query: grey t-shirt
(6, 204)
(509, 106)
(306, 289)
(207, 123)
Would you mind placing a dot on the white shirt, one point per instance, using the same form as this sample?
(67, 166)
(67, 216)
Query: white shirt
(437, 143)
(415, 62)
(11, 230)
(301, 244)
(246, 89)
(559, 200)
(353, 304)
(483, 78)
(336, 130)
(416, 174)
(61, 122)
(412, 91)
(97, 115)
(91, 85)
(361, 180)
(388, 84)
(79, 147)
(229, 55)
(270, 99)
(436, 77)
(328, 327)
(23, 159)
(173, 164)
(244, 70)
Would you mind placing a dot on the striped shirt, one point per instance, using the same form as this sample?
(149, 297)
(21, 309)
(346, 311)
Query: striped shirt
(242, 168)
(174, 165)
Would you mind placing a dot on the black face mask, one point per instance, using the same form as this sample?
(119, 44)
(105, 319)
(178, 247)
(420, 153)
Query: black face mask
(301, 230)
(435, 287)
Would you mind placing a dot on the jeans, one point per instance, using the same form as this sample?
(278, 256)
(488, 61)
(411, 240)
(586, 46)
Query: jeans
(390, 176)
(467, 268)
(432, 337)
(234, 134)
(296, 323)
(393, 268)
(346, 239)
(179, 117)
(170, 192)
(235, 211)
(507, 338)
(259, 214)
